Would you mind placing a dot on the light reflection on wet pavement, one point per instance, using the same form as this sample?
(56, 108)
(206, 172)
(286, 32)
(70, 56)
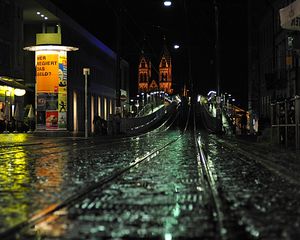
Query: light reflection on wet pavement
(158, 199)
(34, 178)
(162, 198)
(267, 204)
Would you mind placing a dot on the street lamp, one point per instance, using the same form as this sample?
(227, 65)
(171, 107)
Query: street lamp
(86, 72)
(167, 3)
(176, 46)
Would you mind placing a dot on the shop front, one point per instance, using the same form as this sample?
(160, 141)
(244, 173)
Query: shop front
(12, 109)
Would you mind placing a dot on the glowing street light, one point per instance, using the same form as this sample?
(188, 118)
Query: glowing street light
(176, 46)
(167, 3)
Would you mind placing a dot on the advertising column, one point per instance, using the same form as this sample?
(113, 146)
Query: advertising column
(51, 90)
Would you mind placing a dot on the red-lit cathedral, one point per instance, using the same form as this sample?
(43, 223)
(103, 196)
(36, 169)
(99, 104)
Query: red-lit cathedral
(163, 81)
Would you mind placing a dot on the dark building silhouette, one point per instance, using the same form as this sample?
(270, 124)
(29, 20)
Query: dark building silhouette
(21, 21)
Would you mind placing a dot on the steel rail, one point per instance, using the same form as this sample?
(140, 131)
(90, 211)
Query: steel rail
(207, 175)
(260, 157)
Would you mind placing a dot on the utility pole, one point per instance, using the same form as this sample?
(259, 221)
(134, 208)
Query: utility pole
(118, 57)
(217, 52)
(86, 72)
(190, 80)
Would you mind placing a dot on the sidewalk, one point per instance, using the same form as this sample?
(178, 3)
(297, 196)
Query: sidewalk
(284, 161)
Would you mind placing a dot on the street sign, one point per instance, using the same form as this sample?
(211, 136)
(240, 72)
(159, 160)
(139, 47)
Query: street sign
(290, 16)
(86, 71)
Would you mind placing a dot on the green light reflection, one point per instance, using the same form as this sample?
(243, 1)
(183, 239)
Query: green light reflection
(177, 156)
(168, 236)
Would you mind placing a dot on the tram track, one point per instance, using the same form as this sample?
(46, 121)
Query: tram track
(260, 156)
(226, 222)
(207, 175)
(218, 216)
(43, 214)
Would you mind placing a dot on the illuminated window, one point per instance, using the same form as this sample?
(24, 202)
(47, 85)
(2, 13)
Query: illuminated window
(164, 63)
(75, 121)
(110, 107)
(92, 113)
(105, 108)
(99, 107)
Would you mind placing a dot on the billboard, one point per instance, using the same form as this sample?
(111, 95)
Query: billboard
(51, 90)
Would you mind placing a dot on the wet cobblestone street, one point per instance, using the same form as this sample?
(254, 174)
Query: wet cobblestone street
(163, 197)
(263, 198)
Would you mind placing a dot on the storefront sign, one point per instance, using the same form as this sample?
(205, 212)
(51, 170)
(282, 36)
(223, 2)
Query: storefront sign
(290, 16)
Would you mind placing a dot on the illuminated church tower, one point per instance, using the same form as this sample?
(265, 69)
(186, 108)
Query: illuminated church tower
(144, 72)
(163, 82)
(165, 71)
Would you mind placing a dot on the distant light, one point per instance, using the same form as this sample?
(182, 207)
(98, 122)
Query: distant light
(198, 98)
(168, 236)
(211, 92)
(42, 15)
(176, 46)
(38, 13)
(50, 48)
(19, 92)
(167, 3)
(45, 18)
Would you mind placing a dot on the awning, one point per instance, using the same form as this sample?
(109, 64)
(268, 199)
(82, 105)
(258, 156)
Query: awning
(290, 16)
(14, 83)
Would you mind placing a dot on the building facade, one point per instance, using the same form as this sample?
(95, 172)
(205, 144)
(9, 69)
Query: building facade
(273, 58)
(23, 21)
(146, 79)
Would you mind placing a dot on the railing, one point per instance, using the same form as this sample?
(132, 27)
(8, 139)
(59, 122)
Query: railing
(139, 124)
(285, 121)
(208, 114)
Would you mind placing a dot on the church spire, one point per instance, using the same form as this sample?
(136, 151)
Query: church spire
(165, 69)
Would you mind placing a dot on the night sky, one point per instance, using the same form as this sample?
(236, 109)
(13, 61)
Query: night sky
(146, 22)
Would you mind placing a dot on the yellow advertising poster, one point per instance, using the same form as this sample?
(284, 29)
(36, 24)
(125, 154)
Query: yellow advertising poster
(47, 78)
(62, 102)
(62, 74)
(51, 88)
